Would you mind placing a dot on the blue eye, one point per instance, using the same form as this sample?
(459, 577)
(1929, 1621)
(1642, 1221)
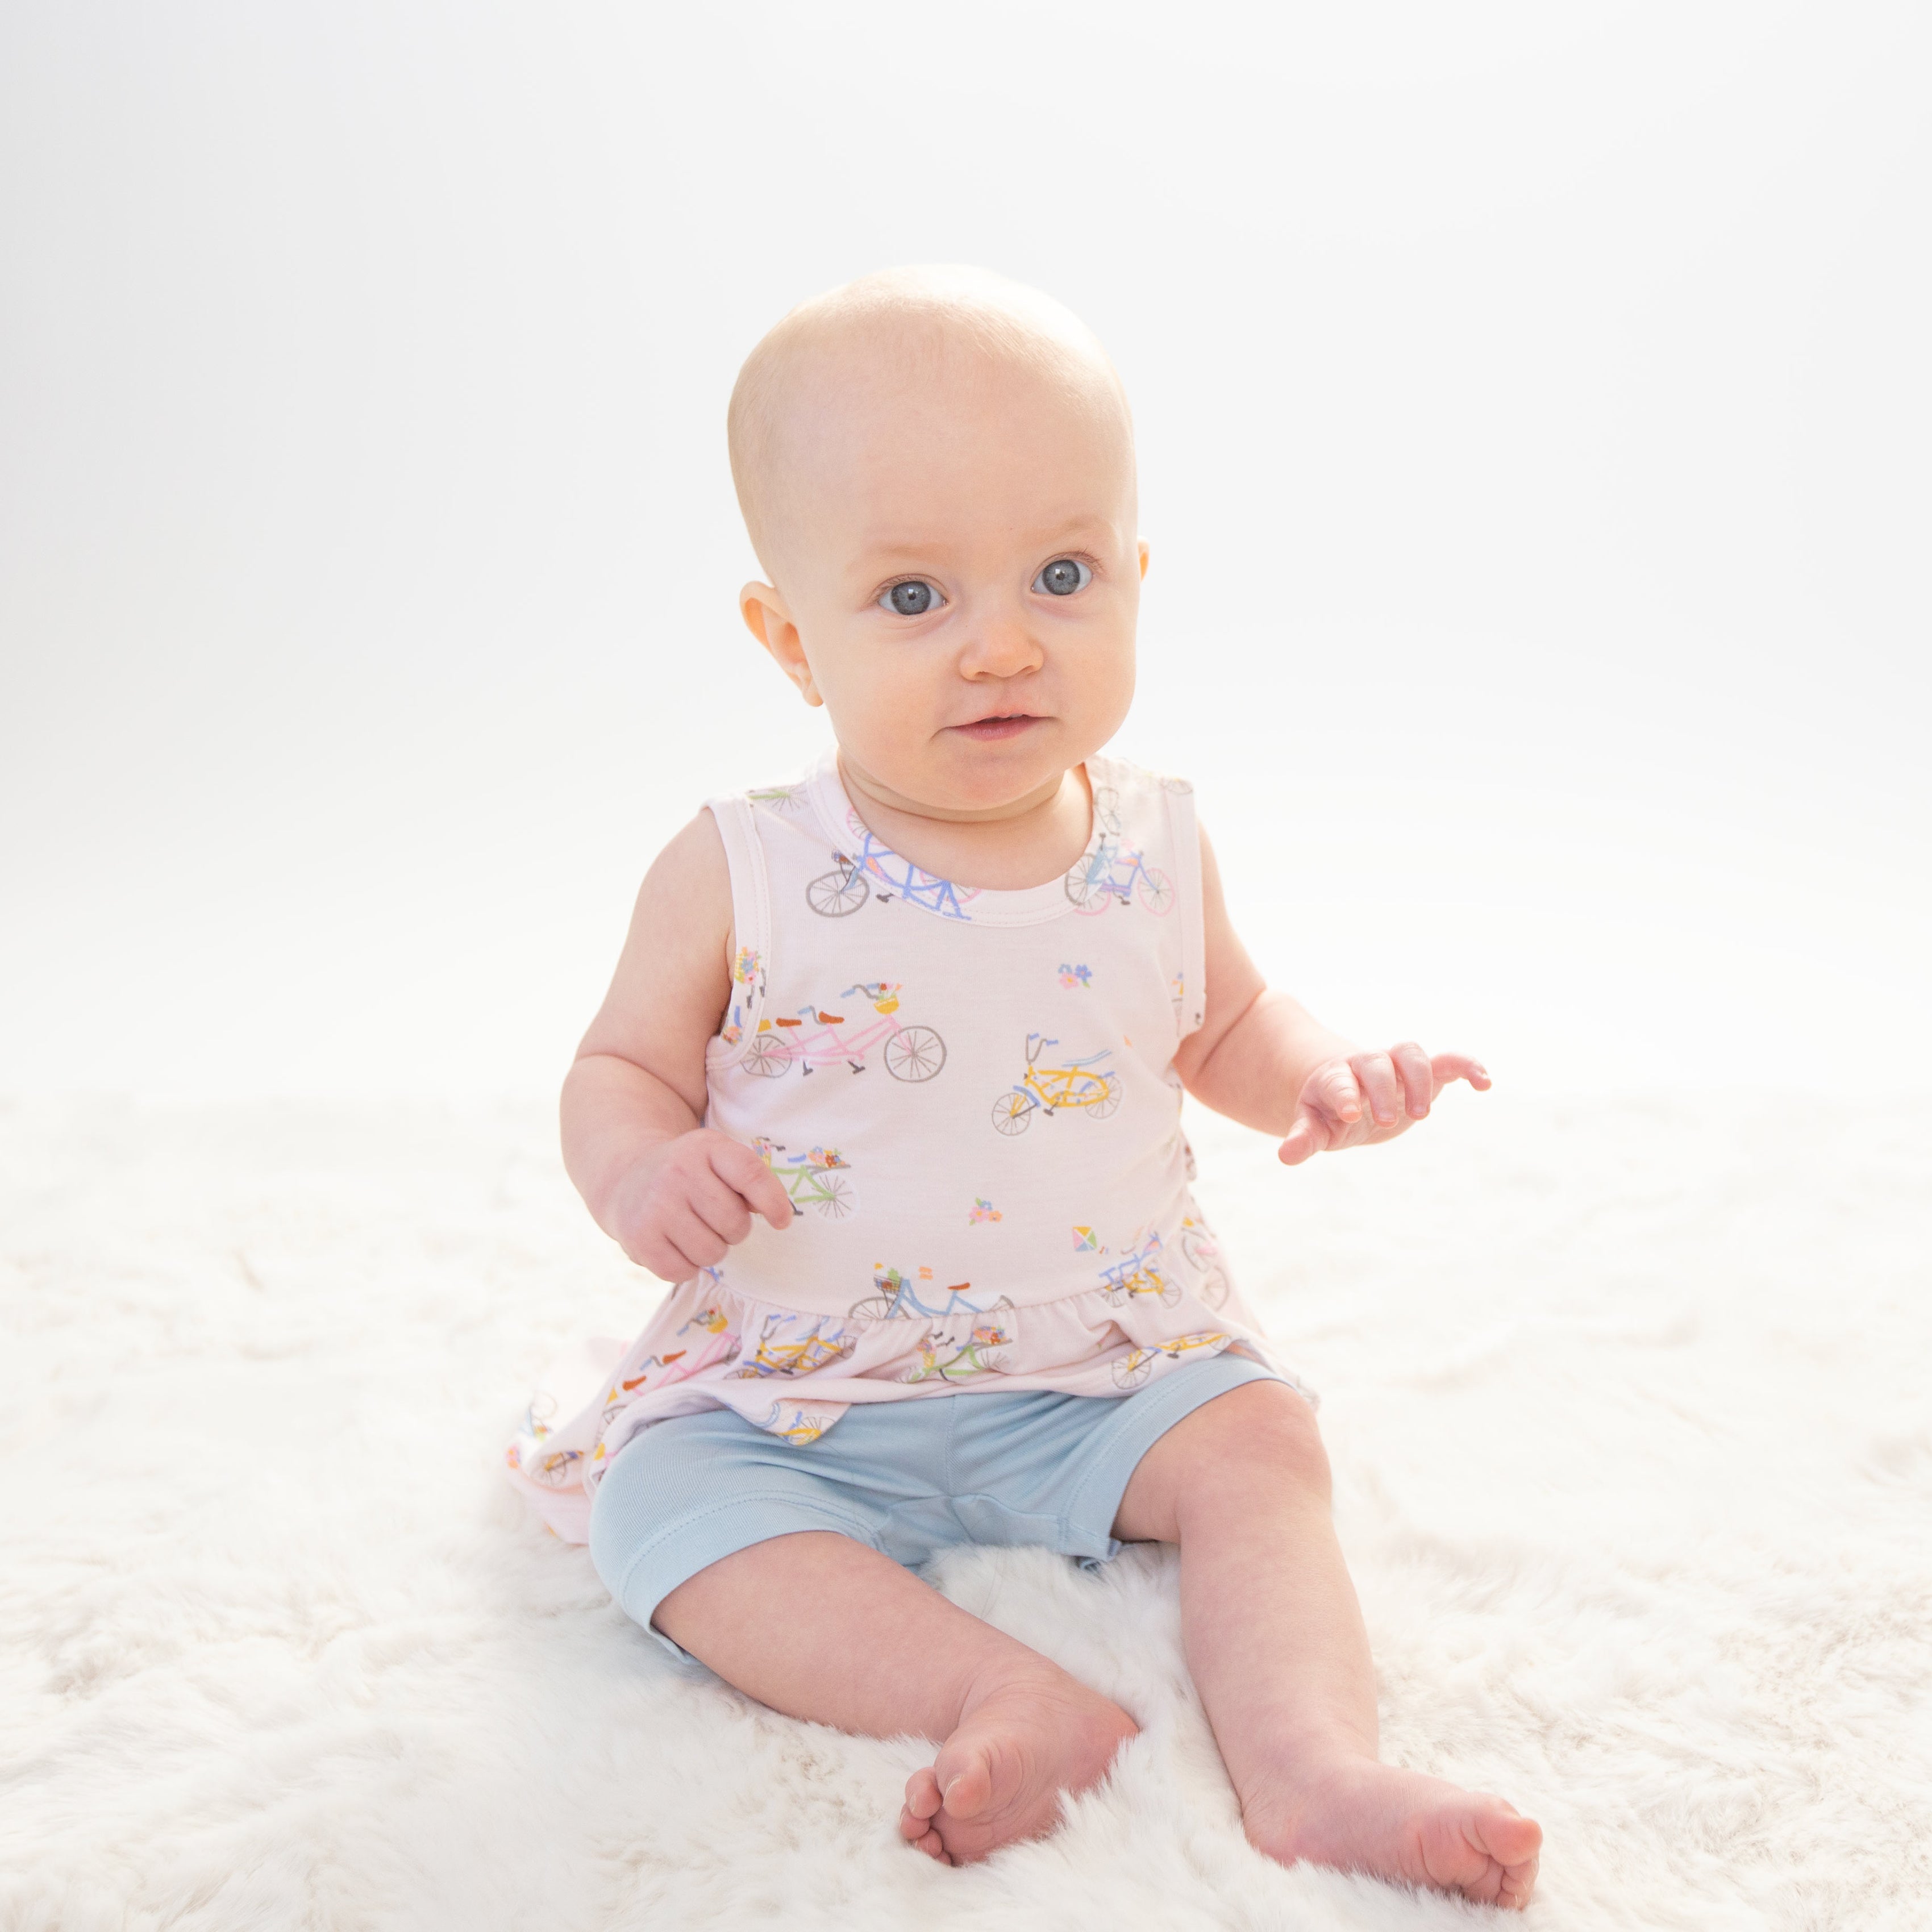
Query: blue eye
(1063, 576)
(912, 598)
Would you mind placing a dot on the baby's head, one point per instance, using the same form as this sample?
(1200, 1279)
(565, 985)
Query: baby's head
(936, 469)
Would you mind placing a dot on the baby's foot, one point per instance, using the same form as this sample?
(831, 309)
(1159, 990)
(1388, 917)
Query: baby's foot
(1361, 1815)
(1020, 1743)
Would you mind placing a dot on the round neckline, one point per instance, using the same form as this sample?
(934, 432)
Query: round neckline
(839, 818)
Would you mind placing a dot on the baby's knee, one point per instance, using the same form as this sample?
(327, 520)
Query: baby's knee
(652, 1478)
(1268, 1430)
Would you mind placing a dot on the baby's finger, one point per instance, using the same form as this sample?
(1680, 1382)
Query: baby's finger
(721, 1208)
(742, 1170)
(1308, 1136)
(1418, 1081)
(1447, 1067)
(1376, 1076)
(703, 1246)
(1333, 1091)
(662, 1256)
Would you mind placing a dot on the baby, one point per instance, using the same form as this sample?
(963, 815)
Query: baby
(888, 1083)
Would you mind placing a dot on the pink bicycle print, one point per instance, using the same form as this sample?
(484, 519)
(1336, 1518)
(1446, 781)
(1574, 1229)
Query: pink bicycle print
(1108, 876)
(816, 1038)
(834, 895)
(676, 1365)
(1203, 1254)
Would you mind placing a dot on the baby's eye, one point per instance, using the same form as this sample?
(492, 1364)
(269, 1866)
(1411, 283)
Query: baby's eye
(912, 598)
(1063, 576)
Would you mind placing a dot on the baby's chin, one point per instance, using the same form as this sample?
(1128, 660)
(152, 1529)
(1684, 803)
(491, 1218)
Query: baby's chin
(971, 773)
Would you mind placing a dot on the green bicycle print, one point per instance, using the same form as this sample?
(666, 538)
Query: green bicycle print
(1087, 1084)
(821, 1180)
(984, 1352)
(816, 1038)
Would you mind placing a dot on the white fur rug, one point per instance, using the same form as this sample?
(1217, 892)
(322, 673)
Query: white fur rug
(1629, 1408)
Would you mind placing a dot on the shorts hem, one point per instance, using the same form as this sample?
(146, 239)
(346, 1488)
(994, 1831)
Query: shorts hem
(1143, 1419)
(700, 1538)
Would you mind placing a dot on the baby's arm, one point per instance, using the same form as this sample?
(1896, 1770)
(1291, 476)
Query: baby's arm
(1261, 1058)
(672, 1194)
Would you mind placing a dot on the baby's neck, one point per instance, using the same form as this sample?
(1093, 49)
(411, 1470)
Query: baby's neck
(1030, 842)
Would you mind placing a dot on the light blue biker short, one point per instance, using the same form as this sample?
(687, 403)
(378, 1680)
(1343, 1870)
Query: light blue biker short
(907, 1478)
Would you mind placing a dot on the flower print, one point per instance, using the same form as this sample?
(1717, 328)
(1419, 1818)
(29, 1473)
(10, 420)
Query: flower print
(983, 1210)
(1071, 977)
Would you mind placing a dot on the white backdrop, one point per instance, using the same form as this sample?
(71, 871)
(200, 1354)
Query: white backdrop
(1534, 405)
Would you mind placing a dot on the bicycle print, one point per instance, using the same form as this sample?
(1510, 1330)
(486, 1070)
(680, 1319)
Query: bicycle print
(895, 1297)
(1134, 1367)
(1138, 1272)
(1202, 1253)
(805, 1356)
(984, 1352)
(815, 1038)
(747, 971)
(821, 1180)
(1087, 1084)
(1109, 876)
(676, 1365)
(803, 1427)
(838, 894)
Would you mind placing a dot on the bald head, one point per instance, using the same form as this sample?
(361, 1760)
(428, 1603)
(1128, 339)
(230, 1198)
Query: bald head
(907, 344)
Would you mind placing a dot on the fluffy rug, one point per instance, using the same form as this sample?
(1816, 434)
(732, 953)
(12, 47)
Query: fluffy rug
(1628, 1406)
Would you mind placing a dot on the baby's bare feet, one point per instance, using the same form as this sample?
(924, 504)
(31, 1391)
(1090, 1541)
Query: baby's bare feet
(1361, 1815)
(1021, 1741)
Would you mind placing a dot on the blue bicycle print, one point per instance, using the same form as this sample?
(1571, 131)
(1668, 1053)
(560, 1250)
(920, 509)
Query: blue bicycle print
(897, 1298)
(1109, 876)
(834, 895)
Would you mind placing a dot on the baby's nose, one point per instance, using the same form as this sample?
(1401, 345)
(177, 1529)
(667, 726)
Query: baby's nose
(1002, 647)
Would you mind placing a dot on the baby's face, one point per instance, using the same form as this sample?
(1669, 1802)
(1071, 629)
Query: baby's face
(959, 579)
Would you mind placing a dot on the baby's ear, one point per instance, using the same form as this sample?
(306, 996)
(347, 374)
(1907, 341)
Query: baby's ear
(767, 620)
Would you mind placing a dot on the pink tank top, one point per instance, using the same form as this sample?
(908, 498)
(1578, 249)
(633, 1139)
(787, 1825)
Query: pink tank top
(969, 1097)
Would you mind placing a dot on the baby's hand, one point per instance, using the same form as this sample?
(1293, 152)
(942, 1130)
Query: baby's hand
(1372, 1096)
(688, 1199)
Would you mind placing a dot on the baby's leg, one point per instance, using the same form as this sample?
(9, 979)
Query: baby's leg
(1275, 1640)
(819, 1626)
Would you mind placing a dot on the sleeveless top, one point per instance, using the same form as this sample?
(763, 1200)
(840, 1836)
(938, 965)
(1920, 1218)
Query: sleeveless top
(969, 1097)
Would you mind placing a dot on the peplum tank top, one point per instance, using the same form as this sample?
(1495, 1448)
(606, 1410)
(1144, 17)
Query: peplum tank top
(970, 1097)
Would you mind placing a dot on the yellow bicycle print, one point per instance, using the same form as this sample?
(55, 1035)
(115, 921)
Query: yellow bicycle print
(1139, 1272)
(811, 1351)
(1134, 1367)
(1087, 1083)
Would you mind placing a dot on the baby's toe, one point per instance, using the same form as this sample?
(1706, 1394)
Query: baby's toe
(967, 1785)
(921, 1794)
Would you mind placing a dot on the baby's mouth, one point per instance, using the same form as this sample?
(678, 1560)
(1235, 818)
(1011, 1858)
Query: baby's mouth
(990, 730)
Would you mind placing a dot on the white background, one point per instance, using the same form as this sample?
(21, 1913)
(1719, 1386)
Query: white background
(1534, 420)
